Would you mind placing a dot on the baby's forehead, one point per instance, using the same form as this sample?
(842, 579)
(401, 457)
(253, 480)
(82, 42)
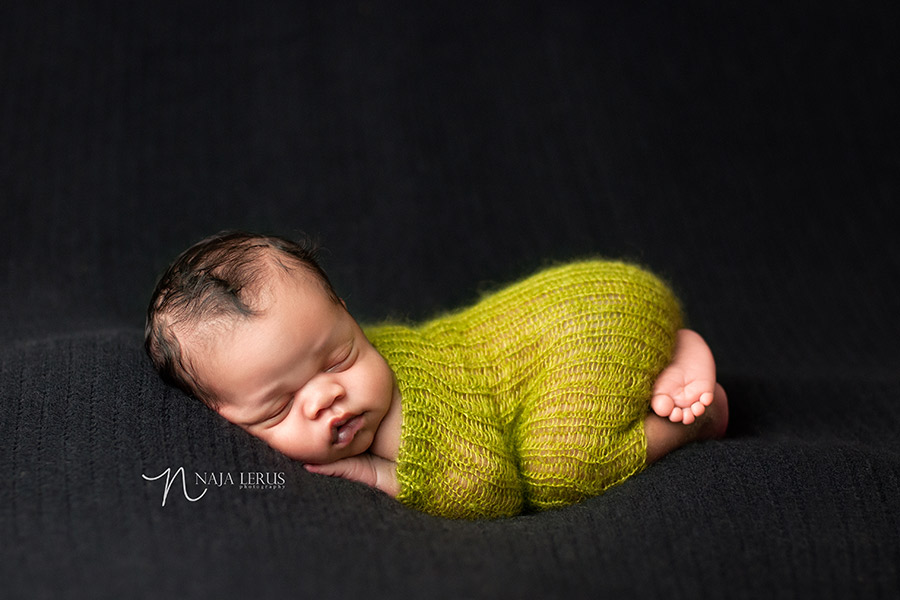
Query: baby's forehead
(285, 279)
(201, 341)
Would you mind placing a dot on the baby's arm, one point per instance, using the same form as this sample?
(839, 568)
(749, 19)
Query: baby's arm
(366, 468)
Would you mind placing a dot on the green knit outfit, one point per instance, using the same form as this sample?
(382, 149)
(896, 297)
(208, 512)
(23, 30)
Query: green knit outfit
(533, 398)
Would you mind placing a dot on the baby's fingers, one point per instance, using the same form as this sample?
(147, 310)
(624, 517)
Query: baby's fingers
(355, 468)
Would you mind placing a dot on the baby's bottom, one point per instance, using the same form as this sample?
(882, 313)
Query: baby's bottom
(687, 403)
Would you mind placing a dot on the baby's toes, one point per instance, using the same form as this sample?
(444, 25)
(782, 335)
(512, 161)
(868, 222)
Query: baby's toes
(707, 399)
(697, 408)
(677, 415)
(687, 417)
(662, 405)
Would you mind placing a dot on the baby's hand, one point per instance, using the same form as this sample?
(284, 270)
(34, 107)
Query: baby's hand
(366, 468)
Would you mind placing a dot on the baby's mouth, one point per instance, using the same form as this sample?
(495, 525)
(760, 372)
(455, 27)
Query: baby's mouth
(344, 430)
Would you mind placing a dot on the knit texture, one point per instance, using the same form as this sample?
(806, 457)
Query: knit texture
(534, 397)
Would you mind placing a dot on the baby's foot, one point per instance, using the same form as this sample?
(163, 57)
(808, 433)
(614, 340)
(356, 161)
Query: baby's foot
(663, 436)
(687, 386)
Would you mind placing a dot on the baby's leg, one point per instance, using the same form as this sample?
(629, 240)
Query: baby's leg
(687, 386)
(663, 435)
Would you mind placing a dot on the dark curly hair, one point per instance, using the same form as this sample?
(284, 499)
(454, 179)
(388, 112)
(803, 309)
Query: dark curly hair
(216, 278)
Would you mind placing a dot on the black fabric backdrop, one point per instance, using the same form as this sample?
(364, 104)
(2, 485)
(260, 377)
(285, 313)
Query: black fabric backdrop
(746, 152)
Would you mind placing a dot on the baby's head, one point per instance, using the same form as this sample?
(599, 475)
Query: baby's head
(251, 326)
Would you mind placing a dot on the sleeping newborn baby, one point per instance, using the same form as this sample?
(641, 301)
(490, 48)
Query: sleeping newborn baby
(542, 394)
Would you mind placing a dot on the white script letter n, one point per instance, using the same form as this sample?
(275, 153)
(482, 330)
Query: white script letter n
(170, 479)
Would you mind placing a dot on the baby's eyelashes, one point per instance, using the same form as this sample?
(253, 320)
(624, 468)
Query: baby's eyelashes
(280, 413)
(337, 368)
(343, 363)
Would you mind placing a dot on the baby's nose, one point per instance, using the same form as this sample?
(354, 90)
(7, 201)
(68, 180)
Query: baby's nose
(324, 395)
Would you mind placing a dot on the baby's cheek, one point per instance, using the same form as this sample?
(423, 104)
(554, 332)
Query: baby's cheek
(282, 442)
(387, 375)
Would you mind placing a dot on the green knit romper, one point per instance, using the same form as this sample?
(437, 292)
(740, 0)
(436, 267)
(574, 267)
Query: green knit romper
(534, 397)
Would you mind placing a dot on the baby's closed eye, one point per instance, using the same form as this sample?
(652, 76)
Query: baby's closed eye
(343, 362)
(282, 409)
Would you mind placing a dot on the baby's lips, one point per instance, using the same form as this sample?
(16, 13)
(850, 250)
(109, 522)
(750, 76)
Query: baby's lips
(335, 426)
(344, 429)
